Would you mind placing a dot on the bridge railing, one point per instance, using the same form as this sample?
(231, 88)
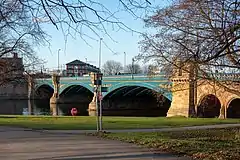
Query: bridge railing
(135, 77)
(224, 76)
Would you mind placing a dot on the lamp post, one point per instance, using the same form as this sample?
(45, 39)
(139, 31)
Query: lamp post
(132, 67)
(100, 86)
(97, 82)
(124, 61)
(100, 54)
(58, 61)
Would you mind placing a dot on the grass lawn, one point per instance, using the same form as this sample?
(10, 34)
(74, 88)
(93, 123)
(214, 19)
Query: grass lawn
(212, 144)
(68, 123)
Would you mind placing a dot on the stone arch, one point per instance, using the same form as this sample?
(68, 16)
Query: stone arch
(158, 89)
(65, 86)
(43, 91)
(233, 108)
(208, 106)
(135, 100)
(75, 96)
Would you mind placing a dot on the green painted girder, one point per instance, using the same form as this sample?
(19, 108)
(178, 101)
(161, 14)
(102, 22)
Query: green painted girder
(113, 83)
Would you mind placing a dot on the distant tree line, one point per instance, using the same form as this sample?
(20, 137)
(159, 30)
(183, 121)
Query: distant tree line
(112, 67)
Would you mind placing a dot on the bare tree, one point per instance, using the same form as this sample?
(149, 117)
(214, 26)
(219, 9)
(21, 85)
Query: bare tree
(112, 67)
(204, 33)
(135, 68)
(75, 18)
(18, 33)
(21, 21)
(21, 25)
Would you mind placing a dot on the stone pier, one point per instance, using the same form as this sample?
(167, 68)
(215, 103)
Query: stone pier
(183, 91)
(92, 108)
(56, 84)
(55, 97)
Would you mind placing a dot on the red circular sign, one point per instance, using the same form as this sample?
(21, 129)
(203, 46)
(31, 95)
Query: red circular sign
(74, 111)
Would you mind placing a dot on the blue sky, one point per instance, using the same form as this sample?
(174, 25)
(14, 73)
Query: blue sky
(78, 49)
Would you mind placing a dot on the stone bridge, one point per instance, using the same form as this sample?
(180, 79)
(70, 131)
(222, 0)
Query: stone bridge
(177, 96)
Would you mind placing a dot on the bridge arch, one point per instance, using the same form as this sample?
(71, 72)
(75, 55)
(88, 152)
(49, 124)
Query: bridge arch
(233, 108)
(158, 89)
(43, 91)
(65, 86)
(75, 95)
(209, 106)
(135, 99)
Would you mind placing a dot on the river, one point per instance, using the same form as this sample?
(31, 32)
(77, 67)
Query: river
(39, 107)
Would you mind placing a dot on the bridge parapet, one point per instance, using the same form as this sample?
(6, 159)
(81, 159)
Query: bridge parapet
(224, 76)
(135, 77)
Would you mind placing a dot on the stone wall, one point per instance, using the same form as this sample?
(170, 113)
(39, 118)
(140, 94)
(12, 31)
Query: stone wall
(14, 90)
(188, 93)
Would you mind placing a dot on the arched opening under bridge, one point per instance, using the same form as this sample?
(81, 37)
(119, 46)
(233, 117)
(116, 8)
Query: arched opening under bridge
(209, 107)
(135, 101)
(75, 96)
(233, 110)
(41, 99)
(43, 92)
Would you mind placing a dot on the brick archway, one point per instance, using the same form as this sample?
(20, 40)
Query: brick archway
(233, 108)
(209, 106)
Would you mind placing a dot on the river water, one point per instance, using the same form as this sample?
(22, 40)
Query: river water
(42, 107)
(38, 107)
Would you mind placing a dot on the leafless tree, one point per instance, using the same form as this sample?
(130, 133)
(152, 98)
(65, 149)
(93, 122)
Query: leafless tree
(18, 35)
(204, 33)
(135, 68)
(77, 17)
(112, 67)
(21, 25)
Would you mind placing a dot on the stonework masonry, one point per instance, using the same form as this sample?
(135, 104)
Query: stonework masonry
(187, 93)
(186, 99)
(14, 90)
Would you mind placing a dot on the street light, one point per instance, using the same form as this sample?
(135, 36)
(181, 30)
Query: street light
(58, 61)
(124, 61)
(132, 67)
(97, 82)
(100, 85)
(100, 53)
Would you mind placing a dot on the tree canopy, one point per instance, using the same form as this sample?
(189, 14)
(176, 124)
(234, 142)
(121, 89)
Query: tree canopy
(203, 32)
(112, 67)
(21, 23)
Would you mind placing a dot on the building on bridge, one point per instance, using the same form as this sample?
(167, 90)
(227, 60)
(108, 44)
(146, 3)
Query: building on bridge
(79, 68)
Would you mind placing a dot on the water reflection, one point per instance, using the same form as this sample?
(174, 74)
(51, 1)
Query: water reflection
(40, 107)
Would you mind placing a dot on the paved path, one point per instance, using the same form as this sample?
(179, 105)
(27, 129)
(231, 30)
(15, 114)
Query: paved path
(144, 130)
(21, 144)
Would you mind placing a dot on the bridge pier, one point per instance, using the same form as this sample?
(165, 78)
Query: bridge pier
(92, 107)
(184, 92)
(223, 112)
(55, 97)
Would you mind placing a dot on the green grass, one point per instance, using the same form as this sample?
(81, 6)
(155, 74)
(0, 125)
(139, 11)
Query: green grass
(68, 123)
(221, 144)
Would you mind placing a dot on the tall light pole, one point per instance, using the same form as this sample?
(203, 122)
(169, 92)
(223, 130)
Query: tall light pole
(133, 67)
(100, 86)
(124, 61)
(100, 53)
(58, 60)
